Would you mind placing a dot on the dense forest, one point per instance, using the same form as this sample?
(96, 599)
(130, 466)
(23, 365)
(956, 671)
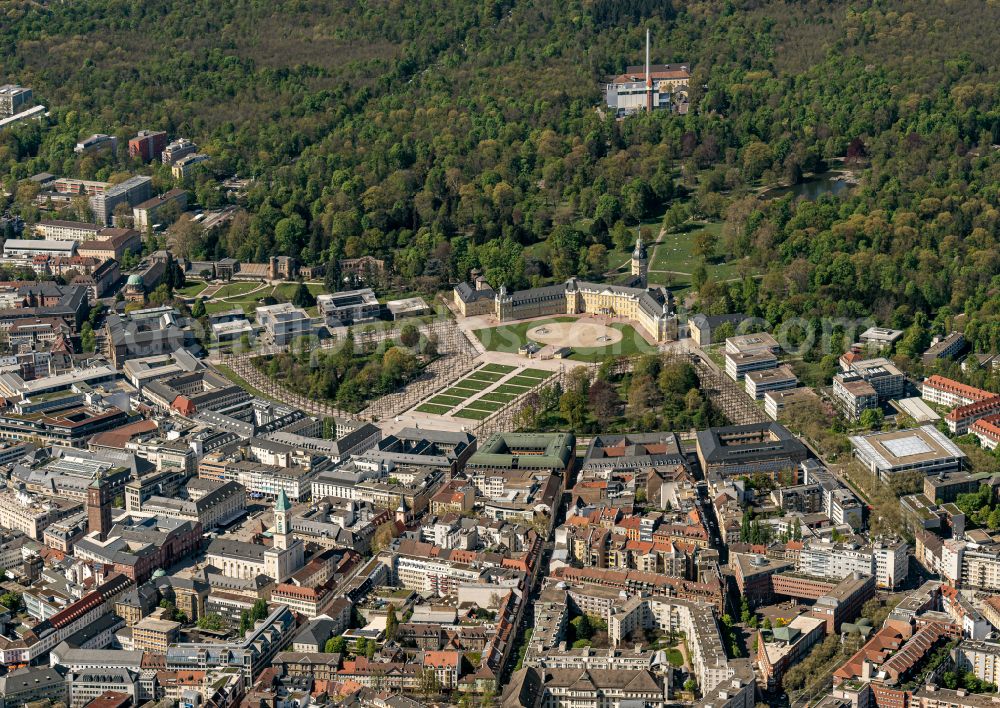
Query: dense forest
(444, 135)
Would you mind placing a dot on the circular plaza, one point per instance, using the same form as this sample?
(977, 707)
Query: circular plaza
(584, 332)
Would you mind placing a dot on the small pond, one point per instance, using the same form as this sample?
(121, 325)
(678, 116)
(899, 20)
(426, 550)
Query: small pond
(832, 182)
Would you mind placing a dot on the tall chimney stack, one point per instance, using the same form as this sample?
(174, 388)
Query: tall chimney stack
(649, 79)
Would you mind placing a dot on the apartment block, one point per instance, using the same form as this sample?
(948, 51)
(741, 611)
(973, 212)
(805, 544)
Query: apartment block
(147, 145)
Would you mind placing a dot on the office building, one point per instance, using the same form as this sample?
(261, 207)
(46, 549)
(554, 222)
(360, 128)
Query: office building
(349, 307)
(922, 449)
(739, 364)
(744, 450)
(147, 213)
(98, 142)
(284, 322)
(31, 515)
(154, 635)
(132, 191)
(752, 344)
(18, 248)
(111, 243)
(760, 382)
(950, 393)
(701, 326)
(853, 395)
(57, 230)
(880, 338)
(32, 684)
(143, 333)
(777, 403)
(250, 654)
(14, 99)
(887, 380)
(944, 348)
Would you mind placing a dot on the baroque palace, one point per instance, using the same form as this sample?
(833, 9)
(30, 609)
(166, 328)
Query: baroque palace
(650, 308)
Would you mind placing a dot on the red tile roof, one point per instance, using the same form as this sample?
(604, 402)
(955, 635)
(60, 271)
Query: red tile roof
(943, 383)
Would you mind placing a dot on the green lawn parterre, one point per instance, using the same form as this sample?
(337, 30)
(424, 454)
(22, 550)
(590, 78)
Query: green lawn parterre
(473, 384)
(497, 396)
(236, 289)
(510, 337)
(481, 405)
(528, 381)
(485, 376)
(285, 291)
(472, 414)
(192, 289)
(498, 368)
(487, 403)
(224, 306)
(446, 400)
(508, 388)
(433, 408)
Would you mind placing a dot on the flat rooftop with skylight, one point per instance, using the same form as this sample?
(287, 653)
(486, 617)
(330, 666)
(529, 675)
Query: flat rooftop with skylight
(923, 449)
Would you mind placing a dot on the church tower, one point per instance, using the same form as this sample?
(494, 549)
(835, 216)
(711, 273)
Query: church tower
(402, 511)
(281, 509)
(640, 262)
(99, 508)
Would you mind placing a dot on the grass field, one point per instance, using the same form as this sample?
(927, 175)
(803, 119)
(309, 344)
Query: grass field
(458, 395)
(472, 414)
(485, 376)
(239, 297)
(221, 306)
(235, 289)
(450, 401)
(285, 291)
(676, 253)
(473, 384)
(481, 405)
(508, 388)
(191, 290)
(497, 396)
(523, 381)
(433, 409)
(631, 343)
(510, 337)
